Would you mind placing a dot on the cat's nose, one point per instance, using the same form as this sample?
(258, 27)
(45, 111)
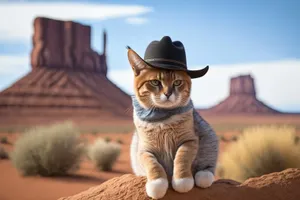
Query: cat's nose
(168, 94)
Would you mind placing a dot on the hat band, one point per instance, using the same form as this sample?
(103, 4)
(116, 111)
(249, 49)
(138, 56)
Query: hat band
(163, 59)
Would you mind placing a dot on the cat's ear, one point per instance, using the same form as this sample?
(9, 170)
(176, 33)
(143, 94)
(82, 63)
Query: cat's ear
(136, 62)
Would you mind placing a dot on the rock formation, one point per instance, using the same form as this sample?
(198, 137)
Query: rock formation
(242, 99)
(65, 44)
(280, 186)
(242, 85)
(67, 78)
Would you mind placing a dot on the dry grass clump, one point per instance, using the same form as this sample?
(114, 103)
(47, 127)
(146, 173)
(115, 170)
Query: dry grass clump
(104, 154)
(107, 139)
(3, 153)
(120, 141)
(260, 150)
(3, 140)
(48, 150)
(94, 132)
(227, 140)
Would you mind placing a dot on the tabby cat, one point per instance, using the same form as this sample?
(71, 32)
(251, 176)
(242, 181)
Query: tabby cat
(172, 142)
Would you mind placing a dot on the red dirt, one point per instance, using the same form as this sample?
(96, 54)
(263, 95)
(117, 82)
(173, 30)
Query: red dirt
(30, 188)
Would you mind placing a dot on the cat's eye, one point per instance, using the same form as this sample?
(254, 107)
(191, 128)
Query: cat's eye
(177, 82)
(155, 82)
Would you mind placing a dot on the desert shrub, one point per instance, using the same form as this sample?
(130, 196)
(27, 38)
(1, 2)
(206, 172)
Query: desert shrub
(104, 154)
(84, 144)
(94, 132)
(296, 140)
(48, 150)
(234, 138)
(260, 150)
(119, 141)
(221, 137)
(107, 139)
(3, 153)
(3, 140)
(224, 139)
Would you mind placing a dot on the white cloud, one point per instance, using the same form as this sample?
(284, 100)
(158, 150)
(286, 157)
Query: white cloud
(136, 20)
(20, 16)
(12, 68)
(11, 65)
(277, 83)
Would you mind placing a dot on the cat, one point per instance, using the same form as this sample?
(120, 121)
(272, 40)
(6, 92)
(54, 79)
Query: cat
(172, 143)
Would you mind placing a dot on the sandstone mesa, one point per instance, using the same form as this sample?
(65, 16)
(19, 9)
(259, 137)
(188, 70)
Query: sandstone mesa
(242, 99)
(67, 78)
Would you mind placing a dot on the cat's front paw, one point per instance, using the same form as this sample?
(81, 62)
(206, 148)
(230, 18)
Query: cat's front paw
(157, 188)
(183, 185)
(204, 179)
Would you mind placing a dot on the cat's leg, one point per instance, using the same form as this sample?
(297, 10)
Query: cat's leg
(183, 180)
(205, 162)
(157, 182)
(135, 164)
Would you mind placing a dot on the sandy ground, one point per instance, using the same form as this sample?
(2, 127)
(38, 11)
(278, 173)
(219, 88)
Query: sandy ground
(13, 186)
(31, 188)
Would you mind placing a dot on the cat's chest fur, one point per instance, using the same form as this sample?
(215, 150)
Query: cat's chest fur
(163, 138)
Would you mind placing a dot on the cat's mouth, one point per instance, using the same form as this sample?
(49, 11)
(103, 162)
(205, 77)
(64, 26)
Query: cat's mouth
(167, 98)
(165, 102)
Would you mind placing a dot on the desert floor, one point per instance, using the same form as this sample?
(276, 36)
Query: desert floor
(14, 186)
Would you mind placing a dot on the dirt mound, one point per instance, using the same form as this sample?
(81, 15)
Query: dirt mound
(283, 185)
(242, 99)
(68, 79)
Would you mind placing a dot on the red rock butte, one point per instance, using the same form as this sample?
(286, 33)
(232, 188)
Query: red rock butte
(242, 99)
(67, 78)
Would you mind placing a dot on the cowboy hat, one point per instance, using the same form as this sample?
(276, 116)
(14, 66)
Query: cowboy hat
(165, 54)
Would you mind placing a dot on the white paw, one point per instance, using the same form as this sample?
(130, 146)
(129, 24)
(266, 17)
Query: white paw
(183, 185)
(157, 188)
(204, 179)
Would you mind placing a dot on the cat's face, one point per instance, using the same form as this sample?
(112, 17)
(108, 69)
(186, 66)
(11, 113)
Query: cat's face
(159, 88)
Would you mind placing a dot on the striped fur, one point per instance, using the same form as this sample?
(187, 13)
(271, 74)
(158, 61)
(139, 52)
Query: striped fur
(187, 136)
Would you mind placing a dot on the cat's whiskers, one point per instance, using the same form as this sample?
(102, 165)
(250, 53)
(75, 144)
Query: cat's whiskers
(152, 106)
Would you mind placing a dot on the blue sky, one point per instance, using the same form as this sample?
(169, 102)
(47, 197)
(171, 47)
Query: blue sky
(213, 32)
(217, 33)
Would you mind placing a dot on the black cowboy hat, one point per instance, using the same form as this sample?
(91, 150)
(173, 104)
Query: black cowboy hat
(165, 54)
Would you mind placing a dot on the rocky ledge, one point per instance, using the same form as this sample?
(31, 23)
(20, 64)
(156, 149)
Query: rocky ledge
(281, 185)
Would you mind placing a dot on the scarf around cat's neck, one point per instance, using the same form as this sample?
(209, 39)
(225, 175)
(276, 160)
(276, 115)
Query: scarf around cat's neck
(157, 114)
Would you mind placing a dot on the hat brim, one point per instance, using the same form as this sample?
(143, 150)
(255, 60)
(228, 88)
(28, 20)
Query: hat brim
(192, 73)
